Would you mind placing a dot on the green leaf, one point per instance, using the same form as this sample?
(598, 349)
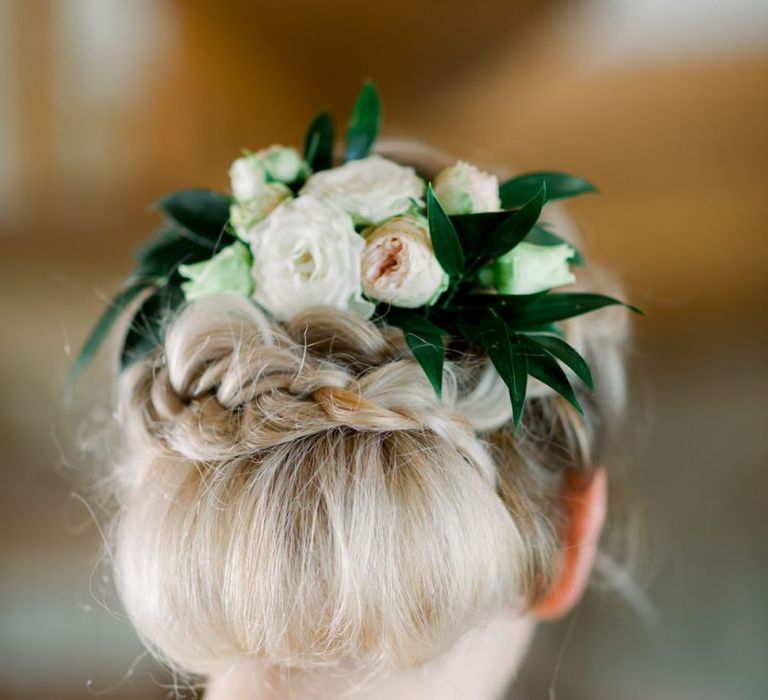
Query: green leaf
(544, 367)
(474, 230)
(507, 355)
(318, 144)
(364, 124)
(147, 329)
(101, 330)
(541, 235)
(546, 329)
(425, 341)
(201, 215)
(165, 252)
(445, 240)
(516, 226)
(558, 307)
(561, 350)
(500, 302)
(518, 190)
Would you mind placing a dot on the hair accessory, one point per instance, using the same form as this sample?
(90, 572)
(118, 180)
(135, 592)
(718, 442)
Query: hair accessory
(461, 257)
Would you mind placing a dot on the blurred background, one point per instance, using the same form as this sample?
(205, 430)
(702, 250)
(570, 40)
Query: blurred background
(107, 104)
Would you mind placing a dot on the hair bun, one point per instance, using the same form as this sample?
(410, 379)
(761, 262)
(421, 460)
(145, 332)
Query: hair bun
(229, 382)
(303, 497)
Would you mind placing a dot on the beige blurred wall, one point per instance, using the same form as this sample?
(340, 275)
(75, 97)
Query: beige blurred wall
(106, 104)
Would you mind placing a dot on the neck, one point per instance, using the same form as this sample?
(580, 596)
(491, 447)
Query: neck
(480, 666)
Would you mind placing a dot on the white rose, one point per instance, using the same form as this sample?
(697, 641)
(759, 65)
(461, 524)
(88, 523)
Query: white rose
(371, 189)
(243, 215)
(307, 253)
(529, 268)
(464, 189)
(249, 174)
(247, 178)
(399, 266)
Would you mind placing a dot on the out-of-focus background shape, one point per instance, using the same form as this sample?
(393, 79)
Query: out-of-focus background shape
(107, 104)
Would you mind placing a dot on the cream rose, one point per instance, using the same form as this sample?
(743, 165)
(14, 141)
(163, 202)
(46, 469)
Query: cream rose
(247, 178)
(464, 189)
(371, 189)
(399, 266)
(243, 215)
(307, 253)
(529, 268)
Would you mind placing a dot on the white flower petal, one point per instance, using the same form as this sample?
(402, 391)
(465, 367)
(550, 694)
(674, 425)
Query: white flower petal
(306, 253)
(371, 189)
(247, 177)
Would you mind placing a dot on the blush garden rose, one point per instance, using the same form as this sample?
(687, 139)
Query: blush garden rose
(399, 266)
(371, 189)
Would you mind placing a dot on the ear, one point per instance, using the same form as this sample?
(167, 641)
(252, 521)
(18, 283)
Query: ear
(585, 504)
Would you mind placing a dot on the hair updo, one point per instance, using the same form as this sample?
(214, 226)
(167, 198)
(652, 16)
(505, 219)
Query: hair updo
(297, 492)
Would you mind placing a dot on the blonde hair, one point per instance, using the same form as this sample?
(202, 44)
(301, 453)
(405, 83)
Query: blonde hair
(297, 492)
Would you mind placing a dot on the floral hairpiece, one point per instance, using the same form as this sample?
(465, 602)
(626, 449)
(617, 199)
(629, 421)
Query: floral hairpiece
(461, 257)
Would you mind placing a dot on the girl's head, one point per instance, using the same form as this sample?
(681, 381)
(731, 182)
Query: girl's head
(294, 493)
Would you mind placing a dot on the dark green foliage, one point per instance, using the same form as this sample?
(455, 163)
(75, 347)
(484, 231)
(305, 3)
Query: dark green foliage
(474, 230)
(518, 190)
(492, 334)
(552, 308)
(502, 303)
(560, 350)
(514, 228)
(519, 333)
(445, 239)
(101, 330)
(545, 368)
(147, 329)
(195, 230)
(200, 215)
(364, 124)
(425, 341)
(318, 143)
(165, 252)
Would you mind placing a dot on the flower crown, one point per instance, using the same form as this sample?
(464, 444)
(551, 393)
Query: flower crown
(460, 257)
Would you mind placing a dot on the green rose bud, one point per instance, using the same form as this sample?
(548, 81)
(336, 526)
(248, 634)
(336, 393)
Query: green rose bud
(529, 268)
(282, 164)
(226, 272)
(253, 171)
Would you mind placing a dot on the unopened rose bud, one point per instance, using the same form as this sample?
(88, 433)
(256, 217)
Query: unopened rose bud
(464, 189)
